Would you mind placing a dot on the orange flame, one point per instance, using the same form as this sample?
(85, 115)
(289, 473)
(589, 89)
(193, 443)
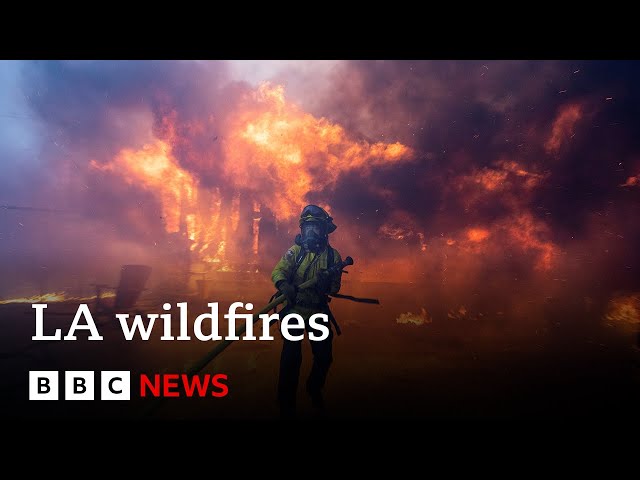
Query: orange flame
(459, 314)
(491, 179)
(532, 179)
(464, 314)
(632, 182)
(504, 175)
(624, 309)
(53, 298)
(513, 182)
(272, 153)
(522, 230)
(415, 318)
(477, 234)
(154, 168)
(273, 146)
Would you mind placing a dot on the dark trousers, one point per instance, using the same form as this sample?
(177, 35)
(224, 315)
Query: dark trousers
(290, 362)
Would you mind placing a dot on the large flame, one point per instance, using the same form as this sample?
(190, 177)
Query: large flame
(154, 168)
(280, 153)
(272, 154)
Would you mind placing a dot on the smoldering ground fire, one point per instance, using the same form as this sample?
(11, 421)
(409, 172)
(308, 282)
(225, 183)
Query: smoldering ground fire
(463, 178)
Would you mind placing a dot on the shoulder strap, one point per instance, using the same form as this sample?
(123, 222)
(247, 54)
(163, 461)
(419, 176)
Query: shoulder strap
(330, 256)
(299, 258)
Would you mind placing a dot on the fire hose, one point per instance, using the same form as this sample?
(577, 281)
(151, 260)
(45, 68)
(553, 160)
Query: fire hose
(201, 363)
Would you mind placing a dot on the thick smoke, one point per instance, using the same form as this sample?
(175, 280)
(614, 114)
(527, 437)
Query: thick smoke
(526, 173)
(514, 181)
(90, 111)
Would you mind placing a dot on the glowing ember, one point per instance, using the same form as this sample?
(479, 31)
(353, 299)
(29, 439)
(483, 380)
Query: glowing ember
(423, 243)
(414, 318)
(53, 298)
(632, 182)
(477, 234)
(462, 313)
(490, 179)
(624, 309)
(458, 314)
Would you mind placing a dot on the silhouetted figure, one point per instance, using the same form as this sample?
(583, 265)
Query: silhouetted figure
(308, 257)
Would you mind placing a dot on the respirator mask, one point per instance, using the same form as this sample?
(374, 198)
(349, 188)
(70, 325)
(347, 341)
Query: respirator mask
(312, 237)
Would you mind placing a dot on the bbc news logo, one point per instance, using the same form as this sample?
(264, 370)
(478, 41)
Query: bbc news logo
(116, 385)
(79, 385)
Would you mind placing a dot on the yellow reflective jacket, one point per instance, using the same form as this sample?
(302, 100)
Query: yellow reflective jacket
(309, 268)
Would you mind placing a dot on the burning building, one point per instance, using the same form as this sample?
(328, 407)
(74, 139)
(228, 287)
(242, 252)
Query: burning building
(271, 157)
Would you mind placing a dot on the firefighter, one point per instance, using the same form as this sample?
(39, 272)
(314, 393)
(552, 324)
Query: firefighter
(310, 256)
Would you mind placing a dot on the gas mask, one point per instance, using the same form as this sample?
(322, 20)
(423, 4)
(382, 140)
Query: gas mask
(312, 237)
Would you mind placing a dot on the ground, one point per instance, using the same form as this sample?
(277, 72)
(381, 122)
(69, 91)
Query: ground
(464, 363)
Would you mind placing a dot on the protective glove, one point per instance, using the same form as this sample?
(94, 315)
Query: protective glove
(287, 289)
